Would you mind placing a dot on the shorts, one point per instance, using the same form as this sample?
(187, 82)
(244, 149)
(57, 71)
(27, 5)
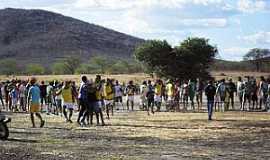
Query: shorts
(14, 101)
(43, 99)
(34, 107)
(170, 98)
(131, 98)
(98, 104)
(108, 102)
(118, 99)
(157, 98)
(68, 105)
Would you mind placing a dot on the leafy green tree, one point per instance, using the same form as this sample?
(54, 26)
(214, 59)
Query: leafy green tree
(194, 56)
(9, 67)
(58, 68)
(101, 64)
(35, 69)
(155, 55)
(257, 57)
(71, 64)
(191, 59)
(119, 67)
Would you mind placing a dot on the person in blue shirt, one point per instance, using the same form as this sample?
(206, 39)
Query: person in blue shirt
(34, 102)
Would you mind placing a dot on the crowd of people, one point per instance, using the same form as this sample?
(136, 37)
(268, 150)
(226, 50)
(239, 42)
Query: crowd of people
(103, 96)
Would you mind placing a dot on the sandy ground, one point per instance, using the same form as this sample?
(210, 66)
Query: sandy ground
(134, 135)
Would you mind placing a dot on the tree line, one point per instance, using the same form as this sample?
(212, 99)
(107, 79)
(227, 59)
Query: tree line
(72, 65)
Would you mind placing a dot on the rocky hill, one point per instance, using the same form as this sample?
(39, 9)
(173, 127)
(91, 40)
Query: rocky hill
(39, 36)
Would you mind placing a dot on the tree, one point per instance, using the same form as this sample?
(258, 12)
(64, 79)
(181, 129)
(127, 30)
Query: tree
(257, 56)
(9, 67)
(58, 68)
(155, 55)
(195, 55)
(191, 59)
(67, 66)
(119, 66)
(101, 64)
(71, 64)
(35, 69)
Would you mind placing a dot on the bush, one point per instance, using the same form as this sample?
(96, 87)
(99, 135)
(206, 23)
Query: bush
(9, 67)
(35, 69)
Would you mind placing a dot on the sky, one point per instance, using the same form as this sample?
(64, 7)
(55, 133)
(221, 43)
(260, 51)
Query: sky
(234, 26)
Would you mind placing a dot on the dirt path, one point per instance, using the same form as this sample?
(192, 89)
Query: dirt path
(134, 135)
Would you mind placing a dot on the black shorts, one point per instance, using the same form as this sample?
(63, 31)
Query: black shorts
(118, 99)
(43, 99)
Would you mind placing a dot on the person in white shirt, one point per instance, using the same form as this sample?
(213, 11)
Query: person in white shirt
(118, 94)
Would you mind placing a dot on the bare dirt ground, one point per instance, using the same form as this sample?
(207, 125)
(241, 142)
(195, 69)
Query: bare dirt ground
(134, 135)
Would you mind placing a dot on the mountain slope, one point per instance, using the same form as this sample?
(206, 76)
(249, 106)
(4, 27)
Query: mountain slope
(39, 36)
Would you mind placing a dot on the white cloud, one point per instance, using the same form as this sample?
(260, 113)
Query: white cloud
(208, 22)
(258, 38)
(251, 6)
(125, 4)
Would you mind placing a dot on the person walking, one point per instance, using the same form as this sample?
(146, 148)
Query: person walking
(210, 92)
(34, 102)
(83, 98)
(68, 103)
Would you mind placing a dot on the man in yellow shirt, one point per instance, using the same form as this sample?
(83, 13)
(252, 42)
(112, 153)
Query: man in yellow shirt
(170, 95)
(108, 95)
(158, 91)
(68, 104)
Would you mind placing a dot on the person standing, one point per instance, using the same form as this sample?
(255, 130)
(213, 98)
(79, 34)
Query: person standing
(268, 95)
(158, 94)
(231, 90)
(185, 90)
(58, 100)
(263, 88)
(143, 99)
(83, 98)
(118, 93)
(34, 102)
(108, 96)
(170, 95)
(150, 97)
(130, 90)
(99, 99)
(210, 92)
(50, 98)
(14, 95)
(1, 96)
(191, 93)
(66, 92)
(221, 92)
(240, 90)
(43, 94)
(246, 93)
(199, 93)
(22, 90)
